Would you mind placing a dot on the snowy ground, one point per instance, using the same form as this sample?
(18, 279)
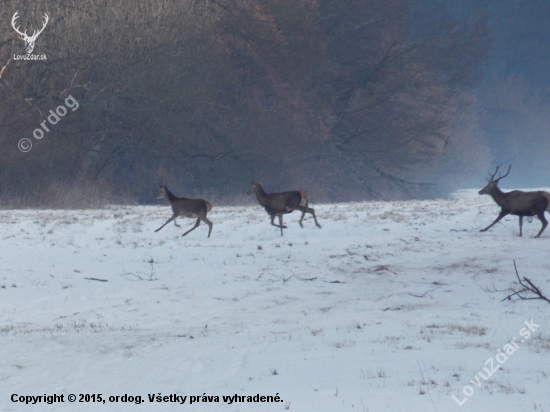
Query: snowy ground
(385, 308)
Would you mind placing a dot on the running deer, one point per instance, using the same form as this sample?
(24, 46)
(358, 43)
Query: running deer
(517, 202)
(278, 204)
(186, 208)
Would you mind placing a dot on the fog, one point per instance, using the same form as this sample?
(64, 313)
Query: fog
(349, 101)
(513, 96)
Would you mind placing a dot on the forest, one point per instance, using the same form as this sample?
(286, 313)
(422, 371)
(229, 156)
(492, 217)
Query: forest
(349, 100)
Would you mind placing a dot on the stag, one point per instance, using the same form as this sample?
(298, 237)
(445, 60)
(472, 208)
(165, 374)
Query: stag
(278, 204)
(29, 40)
(517, 202)
(186, 208)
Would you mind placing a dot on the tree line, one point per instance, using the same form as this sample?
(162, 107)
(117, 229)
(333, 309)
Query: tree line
(350, 100)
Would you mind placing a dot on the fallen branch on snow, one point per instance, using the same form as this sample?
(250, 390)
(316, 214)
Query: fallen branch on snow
(133, 276)
(425, 293)
(528, 287)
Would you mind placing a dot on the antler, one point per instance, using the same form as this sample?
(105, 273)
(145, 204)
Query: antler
(501, 177)
(15, 17)
(35, 33)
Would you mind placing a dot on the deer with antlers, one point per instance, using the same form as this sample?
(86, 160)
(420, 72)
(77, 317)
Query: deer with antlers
(278, 204)
(29, 40)
(186, 208)
(517, 202)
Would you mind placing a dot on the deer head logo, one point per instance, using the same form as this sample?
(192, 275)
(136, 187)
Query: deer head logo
(29, 40)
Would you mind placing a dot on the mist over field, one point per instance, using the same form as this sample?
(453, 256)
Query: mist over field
(354, 100)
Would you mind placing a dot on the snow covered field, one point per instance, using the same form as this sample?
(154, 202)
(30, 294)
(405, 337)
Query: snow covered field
(385, 308)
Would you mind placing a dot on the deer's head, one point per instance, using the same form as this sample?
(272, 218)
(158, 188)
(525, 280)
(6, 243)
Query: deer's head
(254, 188)
(162, 192)
(492, 182)
(29, 40)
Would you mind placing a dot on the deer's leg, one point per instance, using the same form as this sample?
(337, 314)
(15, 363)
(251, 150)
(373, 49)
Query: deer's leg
(310, 210)
(544, 222)
(168, 221)
(306, 209)
(520, 225)
(272, 218)
(175, 223)
(281, 224)
(500, 216)
(209, 223)
(194, 227)
(302, 218)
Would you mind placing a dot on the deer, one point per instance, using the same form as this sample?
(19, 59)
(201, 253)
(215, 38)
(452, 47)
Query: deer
(29, 40)
(517, 202)
(186, 208)
(278, 204)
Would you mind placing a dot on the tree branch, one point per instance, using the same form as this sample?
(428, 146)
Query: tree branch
(528, 287)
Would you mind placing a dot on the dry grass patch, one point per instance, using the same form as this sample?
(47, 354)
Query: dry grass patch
(371, 373)
(538, 343)
(464, 345)
(472, 330)
(388, 340)
(343, 344)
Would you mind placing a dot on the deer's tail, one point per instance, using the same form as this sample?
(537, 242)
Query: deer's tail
(547, 196)
(303, 198)
(208, 205)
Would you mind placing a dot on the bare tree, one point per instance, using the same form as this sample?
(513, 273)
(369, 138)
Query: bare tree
(348, 99)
